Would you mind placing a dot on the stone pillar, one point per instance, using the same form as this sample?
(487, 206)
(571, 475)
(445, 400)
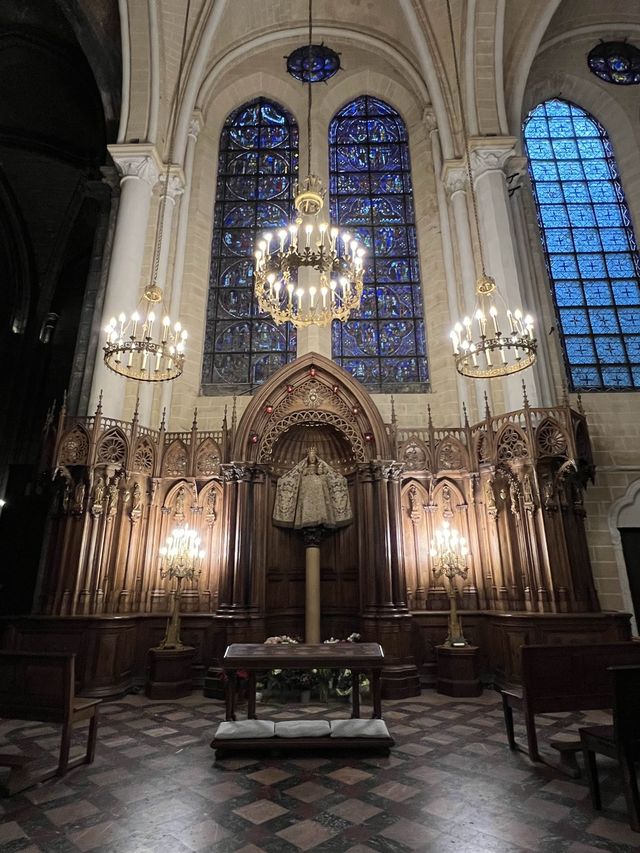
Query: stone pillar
(312, 538)
(489, 156)
(173, 186)
(195, 126)
(454, 177)
(139, 168)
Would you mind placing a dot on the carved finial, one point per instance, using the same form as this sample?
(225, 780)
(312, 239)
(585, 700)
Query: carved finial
(224, 418)
(137, 409)
(194, 425)
(487, 410)
(163, 418)
(525, 399)
(429, 414)
(579, 403)
(393, 411)
(234, 415)
(464, 414)
(98, 411)
(565, 395)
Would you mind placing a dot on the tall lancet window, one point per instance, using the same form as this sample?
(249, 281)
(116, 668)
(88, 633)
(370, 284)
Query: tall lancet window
(371, 197)
(257, 170)
(591, 251)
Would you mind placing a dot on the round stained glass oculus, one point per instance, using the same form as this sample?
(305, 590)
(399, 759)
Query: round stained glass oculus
(313, 64)
(615, 62)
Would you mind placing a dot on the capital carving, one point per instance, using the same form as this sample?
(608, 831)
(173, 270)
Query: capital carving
(490, 155)
(236, 472)
(195, 125)
(429, 119)
(454, 179)
(174, 185)
(136, 162)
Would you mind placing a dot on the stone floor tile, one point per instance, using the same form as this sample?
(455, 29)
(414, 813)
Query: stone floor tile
(395, 791)
(260, 811)
(408, 833)
(72, 812)
(10, 831)
(612, 830)
(355, 811)
(307, 834)
(308, 792)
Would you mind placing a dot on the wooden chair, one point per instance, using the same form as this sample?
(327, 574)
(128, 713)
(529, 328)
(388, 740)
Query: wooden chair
(620, 741)
(41, 686)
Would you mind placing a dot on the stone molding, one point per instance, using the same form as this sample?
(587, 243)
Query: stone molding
(454, 177)
(490, 154)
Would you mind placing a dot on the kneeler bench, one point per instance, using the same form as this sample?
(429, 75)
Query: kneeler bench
(253, 734)
(563, 678)
(41, 686)
(250, 735)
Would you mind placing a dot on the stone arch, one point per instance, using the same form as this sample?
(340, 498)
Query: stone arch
(625, 512)
(273, 409)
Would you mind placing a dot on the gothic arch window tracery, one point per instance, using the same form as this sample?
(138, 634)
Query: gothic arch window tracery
(257, 169)
(383, 345)
(590, 246)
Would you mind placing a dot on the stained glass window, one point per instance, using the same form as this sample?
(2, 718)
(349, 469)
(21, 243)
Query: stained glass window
(590, 246)
(383, 345)
(257, 169)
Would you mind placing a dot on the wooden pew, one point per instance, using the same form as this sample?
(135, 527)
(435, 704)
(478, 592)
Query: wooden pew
(563, 678)
(41, 686)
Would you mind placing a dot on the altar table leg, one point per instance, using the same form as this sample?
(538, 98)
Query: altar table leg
(251, 696)
(376, 690)
(355, 695)
(230, 696)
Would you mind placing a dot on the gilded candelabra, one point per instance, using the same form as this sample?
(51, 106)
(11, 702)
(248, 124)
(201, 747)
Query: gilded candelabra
(180, 558)
(449, 553)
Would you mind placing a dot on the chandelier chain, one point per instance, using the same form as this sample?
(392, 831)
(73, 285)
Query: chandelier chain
(309, 90)
(465, 135)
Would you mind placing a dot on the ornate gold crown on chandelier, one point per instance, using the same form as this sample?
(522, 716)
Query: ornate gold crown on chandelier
(309, 272)
(147, 346)
(508, 344)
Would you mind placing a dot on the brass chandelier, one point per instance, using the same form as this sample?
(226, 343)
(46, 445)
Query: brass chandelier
(147, 345)
(494, 341)
(309, 273)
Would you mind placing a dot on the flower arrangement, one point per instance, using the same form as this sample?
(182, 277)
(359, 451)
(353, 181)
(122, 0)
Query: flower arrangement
(327, 682)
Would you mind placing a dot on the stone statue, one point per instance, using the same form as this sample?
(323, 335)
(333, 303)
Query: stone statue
(312, 494)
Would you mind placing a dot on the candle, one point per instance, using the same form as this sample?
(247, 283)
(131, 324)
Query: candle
(467, 325)
(454, 341)
(308, 231)
(482, 322)
(158, 357)
(312, 296)
(493, 311)
(151, 320)
(165, 329)
(323, 292)
(282, 236)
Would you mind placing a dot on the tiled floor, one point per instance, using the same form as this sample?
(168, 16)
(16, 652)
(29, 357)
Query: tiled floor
(450, 784)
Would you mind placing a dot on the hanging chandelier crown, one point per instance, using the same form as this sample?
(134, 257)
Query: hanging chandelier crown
(309, 273)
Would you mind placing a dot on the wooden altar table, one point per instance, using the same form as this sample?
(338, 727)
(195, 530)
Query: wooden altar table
(253, 734)
(259, 657)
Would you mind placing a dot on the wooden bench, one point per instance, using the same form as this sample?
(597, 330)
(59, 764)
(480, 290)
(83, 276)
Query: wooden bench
(563, 678)
(41, 686)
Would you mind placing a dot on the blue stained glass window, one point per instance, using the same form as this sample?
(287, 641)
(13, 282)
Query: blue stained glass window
(590, 246)
(383, 345)
(257, 170)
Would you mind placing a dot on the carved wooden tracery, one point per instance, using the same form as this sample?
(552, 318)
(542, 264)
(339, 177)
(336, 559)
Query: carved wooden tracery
(512, 484)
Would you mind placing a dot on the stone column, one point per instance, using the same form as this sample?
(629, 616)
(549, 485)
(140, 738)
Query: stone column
(454, 178)
(312, 538)
(489, 156)
(139, 168)
(195, 126)
(173, 186)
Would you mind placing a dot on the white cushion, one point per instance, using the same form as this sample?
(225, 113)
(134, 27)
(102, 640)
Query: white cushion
(303, 728)
(359, 728)
(245, 729)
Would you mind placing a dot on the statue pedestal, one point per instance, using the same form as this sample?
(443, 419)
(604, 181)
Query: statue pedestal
(458, 671)
(169, 673)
